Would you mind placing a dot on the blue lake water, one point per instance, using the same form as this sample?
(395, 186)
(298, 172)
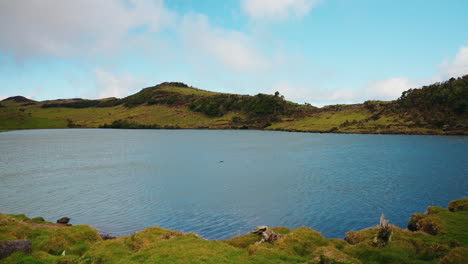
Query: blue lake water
(121, 181)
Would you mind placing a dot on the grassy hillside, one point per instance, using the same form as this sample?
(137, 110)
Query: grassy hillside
(440, 108)
(439, 236)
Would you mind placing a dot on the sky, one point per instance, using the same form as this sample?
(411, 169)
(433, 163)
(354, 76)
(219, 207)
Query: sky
(312, 51)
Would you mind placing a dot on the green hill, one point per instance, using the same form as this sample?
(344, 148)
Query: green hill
(440, 108)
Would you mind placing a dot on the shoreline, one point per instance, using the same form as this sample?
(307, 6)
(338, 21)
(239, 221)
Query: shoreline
(437, 236)
(268, 130)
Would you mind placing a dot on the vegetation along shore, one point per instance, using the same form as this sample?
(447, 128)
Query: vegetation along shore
(440, 108)
(437, 236)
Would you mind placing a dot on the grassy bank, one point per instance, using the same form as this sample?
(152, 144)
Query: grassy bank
(438, 236)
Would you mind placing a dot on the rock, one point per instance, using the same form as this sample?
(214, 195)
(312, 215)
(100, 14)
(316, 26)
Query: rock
(354, 237)
(9, 247)
(107, 237)
(267, 234)
(63, 220)
(384, 233)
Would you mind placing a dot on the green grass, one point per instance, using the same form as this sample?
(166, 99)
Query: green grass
(322, 121)
(187, 91)
(36, 117)
(83, 244)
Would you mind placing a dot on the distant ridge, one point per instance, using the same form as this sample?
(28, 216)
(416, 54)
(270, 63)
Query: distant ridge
(440, 108)
(18, 99)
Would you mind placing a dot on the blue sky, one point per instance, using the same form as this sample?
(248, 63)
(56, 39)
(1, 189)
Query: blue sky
(316, 51)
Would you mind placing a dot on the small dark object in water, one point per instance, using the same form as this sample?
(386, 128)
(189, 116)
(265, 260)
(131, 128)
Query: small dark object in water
(9, 247)
(107, 237)
(221, 161)
(63, 220)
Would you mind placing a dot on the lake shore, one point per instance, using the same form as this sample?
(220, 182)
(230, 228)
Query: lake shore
(437, 236)
(389, 132)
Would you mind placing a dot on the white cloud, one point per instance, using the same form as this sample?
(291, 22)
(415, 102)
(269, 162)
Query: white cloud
(293, 93)
(72, 28)
(3, 97)
(456, 68)
(111, 85)
(342, 95)
(277, 9)
(389, 89)
(232, 49)
(33, 93)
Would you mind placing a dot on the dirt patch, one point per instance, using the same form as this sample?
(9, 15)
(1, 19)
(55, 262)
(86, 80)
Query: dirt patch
(47, 225)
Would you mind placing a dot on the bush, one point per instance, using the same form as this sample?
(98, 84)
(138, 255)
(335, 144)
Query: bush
(125, 124)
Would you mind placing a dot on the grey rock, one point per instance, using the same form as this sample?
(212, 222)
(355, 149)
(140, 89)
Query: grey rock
(9, 247)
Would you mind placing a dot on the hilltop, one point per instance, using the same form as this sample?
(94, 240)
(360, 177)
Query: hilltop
(440, 108)
(437, 236)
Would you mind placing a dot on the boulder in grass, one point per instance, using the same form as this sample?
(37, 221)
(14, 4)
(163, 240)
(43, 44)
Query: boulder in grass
(107, 237)
(63, 220)
(267, 234)
(9, 247)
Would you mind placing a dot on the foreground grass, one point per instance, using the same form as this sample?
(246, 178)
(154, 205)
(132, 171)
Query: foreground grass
(83, 244)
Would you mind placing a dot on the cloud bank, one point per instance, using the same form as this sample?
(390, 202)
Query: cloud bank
(74, 28)
(277, 10)
(112, 85)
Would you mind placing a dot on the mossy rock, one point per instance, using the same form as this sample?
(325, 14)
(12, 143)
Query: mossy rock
(356, 237)
(434, 210)
(413, 223)
(301, 241)
(458, 205)
(428, 223)
(431, 225)
(457, 255)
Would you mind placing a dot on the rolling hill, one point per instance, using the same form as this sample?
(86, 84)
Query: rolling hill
(440, 108)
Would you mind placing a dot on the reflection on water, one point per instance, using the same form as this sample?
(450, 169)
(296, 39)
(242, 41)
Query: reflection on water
(121, 181)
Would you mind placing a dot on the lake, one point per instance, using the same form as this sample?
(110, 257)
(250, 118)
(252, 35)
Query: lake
(222, 183)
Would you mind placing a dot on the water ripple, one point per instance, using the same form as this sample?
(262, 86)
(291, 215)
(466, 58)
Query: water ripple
(121, 181)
